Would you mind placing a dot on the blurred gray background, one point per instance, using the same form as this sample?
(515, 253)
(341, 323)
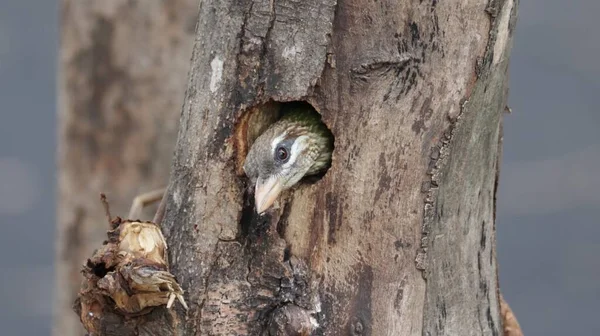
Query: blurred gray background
(548, 230)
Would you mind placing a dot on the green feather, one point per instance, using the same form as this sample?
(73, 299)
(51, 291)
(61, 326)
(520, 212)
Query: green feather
(303, 115)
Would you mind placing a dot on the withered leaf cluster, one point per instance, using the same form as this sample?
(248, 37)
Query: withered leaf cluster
(128, 275)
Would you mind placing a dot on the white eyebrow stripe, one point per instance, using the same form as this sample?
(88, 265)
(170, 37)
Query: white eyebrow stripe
(276, 141)
(295, 151)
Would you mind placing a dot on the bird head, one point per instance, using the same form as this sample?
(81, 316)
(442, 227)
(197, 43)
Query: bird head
(297, 145)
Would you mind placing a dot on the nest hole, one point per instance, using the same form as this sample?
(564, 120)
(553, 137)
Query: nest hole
(257, 119)
(253, 122)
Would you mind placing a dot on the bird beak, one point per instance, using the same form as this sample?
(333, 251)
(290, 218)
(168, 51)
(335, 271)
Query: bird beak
(266, 193)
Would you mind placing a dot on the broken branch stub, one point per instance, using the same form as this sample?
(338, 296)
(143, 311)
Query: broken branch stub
(128, 276)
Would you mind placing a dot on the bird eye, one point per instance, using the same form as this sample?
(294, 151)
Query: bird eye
(282, 154)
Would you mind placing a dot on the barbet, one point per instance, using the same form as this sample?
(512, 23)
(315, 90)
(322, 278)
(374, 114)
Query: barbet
(295, 146)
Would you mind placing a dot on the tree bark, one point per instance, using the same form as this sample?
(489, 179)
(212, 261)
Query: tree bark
(123, 66)
(398, 237)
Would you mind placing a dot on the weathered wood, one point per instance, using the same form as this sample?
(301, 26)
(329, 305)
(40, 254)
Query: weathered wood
(398, 237)
(123, 70)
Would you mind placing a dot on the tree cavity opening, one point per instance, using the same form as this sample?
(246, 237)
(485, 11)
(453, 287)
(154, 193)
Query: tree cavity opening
(257, 119)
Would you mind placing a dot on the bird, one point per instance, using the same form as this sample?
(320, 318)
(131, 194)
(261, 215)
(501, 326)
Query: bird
(299, 144)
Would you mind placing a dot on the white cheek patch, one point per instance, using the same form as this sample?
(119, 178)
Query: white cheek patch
(295, 151)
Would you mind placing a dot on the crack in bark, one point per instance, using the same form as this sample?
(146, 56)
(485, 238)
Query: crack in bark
(264, 51)
(438, 157)
(484, 63)
(212, 267)
(492, 8)
(394, 63)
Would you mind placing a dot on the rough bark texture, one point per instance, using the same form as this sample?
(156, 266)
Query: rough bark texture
(123, 66)
(398, 237)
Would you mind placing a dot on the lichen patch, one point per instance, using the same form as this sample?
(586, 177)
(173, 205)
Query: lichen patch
(216, 66)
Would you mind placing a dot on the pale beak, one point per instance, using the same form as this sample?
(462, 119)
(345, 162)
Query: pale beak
(266, 192)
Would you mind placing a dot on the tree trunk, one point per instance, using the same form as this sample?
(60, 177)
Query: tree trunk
(398, 237)
(124, 66)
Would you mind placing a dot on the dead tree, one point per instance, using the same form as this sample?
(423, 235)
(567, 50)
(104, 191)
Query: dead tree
(398, 237)
(123, 70)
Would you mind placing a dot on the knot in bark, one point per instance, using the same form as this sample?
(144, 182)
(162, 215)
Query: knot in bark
(290, 320)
